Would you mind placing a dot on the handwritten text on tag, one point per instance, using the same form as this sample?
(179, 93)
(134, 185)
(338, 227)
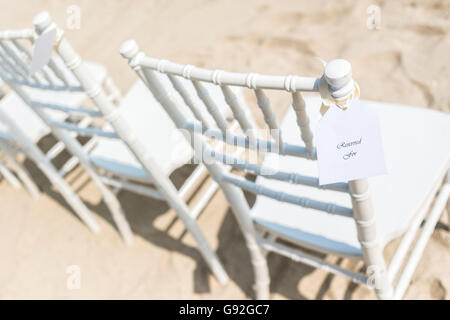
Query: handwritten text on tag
(42, 50)
(349, 144)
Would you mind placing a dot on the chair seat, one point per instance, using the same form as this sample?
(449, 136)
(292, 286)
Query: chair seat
(31, 123)
(417, 152)
(169, 149)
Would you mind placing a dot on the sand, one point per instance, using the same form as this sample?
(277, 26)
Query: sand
(405, 61)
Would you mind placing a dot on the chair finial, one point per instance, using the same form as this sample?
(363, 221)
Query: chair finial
(41, 21)
(338, 73)
(129, 49)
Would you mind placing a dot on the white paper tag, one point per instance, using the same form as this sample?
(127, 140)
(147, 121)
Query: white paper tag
(42, 50)
(349, 144)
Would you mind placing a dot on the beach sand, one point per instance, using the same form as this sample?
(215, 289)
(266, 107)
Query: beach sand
(406, 61)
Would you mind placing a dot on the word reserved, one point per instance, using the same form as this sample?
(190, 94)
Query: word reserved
(346, 145)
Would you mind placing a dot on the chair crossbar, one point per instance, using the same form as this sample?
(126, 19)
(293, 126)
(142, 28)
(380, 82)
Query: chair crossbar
(252, 81)
(286, 197)
(192, 181)
(139, 189)
(85, 131)
(55, 150)
(60, 146)
(67, 109)
(74, 160)
(257, 144)
(302, 257)
(17, 34)
(204, 199)
(42, 86)
(274, 174)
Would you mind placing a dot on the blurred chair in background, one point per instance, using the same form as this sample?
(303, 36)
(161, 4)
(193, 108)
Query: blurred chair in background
(133, 143)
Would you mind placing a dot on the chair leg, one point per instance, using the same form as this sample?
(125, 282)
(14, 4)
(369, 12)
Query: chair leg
(191, 225)
(45, 165)
(9, 176)
(363, 215)
(208, 254)
(23, 175)
(241, 211)
(116, 212)
(69, 195)
(261, 270)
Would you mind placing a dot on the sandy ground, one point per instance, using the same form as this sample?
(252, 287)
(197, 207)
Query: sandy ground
(405, 61)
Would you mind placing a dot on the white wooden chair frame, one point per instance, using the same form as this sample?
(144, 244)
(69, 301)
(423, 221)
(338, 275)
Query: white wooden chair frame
(14, 70)
(15, 58)
(338, 88)
(109, 183)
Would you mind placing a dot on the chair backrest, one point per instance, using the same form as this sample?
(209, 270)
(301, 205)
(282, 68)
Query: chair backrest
(54, 94)
(108, 110)
(150, 69)
(52, 80)
(335, 85)
(65, 72)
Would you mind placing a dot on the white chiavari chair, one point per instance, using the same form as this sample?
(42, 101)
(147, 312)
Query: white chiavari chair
(136, 149)
(57, 93)
(292, 211)
(15, 57)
